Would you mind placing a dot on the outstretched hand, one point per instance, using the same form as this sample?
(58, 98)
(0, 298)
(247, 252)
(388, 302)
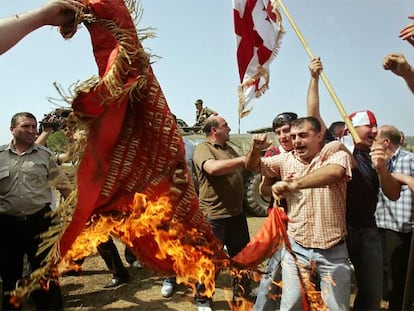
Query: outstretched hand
(62, 13)
(407, 33)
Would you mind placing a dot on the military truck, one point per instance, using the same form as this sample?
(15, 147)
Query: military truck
(254, 203)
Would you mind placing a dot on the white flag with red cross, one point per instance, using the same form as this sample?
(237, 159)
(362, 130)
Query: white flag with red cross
(258, 28)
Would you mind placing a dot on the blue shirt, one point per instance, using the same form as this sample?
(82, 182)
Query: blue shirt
(398, 215)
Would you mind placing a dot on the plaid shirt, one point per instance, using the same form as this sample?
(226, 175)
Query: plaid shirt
(317, 215)
(398, 215)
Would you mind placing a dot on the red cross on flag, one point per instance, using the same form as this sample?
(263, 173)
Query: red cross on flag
(258, 27)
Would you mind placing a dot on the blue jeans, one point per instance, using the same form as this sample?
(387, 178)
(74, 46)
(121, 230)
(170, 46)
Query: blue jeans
(332, 268)
(268, 290)
(365, 251)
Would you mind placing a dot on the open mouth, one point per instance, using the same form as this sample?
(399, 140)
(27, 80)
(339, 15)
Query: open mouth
(300, 149)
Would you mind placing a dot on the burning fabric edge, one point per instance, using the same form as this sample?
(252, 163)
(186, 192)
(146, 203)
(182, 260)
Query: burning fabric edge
(132, 178)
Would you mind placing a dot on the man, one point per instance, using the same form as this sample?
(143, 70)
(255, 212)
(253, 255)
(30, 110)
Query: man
(219, 172)
(395, 218)
(25, 197)
(55, 12)
(368, 176)
(315, 197)
(281, 127)
(107, 250)
(337, 129)
(202, 113)
(267, 289)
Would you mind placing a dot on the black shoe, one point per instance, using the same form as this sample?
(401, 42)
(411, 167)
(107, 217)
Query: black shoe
(115, 282)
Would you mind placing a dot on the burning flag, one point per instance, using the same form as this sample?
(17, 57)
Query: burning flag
(133, 146)
(258, 27)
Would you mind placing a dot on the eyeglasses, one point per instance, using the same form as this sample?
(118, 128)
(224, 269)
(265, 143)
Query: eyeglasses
(284, 118)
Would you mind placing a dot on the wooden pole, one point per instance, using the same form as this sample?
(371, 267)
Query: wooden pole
(325, 80)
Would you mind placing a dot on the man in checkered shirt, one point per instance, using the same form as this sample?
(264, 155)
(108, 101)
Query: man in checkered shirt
(395, 218)
(315, 192)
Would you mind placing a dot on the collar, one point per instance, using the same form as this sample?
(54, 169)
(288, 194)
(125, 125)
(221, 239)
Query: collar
(217, 145)
(28, 150)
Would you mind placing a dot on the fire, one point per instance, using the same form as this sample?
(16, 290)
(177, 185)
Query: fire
(311, 297)
(192, 261)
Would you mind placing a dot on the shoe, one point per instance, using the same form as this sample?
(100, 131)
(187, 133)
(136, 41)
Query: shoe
(137, 264)
(204, 305)
(115, 282)
(167, 289)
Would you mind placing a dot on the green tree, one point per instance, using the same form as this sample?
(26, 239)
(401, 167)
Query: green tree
(57, 141)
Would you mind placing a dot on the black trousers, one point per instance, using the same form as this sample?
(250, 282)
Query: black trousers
(129, 255)
(113, 261)
(19, 236)
(396, 248)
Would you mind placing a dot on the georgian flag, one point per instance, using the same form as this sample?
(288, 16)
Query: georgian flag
(258, 27)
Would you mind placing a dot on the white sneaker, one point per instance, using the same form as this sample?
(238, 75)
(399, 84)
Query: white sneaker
(137, 264)
(167, 288)
(199, 308)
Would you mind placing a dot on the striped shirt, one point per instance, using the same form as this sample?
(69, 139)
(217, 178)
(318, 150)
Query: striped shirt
(398, 215)
(317, 215)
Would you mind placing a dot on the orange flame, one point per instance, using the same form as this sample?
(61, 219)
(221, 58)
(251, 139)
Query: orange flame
(192, 261)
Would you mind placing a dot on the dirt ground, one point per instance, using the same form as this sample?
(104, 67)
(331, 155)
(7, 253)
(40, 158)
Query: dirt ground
(86, 292)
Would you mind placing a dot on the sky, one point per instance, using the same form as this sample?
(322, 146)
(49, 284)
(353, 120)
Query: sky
(197, 49)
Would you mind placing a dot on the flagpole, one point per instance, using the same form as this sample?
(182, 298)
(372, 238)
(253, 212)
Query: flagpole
(325, 80)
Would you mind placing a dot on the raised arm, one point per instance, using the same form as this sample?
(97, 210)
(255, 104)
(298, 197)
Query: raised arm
(259, 143)
(313, 104)
(397, 64)
(55, 12)
(407, 33)
(390, 186)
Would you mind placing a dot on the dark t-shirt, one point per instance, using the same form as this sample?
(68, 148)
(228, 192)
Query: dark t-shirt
(219, 196)
(362, 192)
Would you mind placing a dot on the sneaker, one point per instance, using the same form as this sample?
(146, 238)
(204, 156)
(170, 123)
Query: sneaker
(115, 282)
(137, 264)
(204, 305)
(168, 286)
